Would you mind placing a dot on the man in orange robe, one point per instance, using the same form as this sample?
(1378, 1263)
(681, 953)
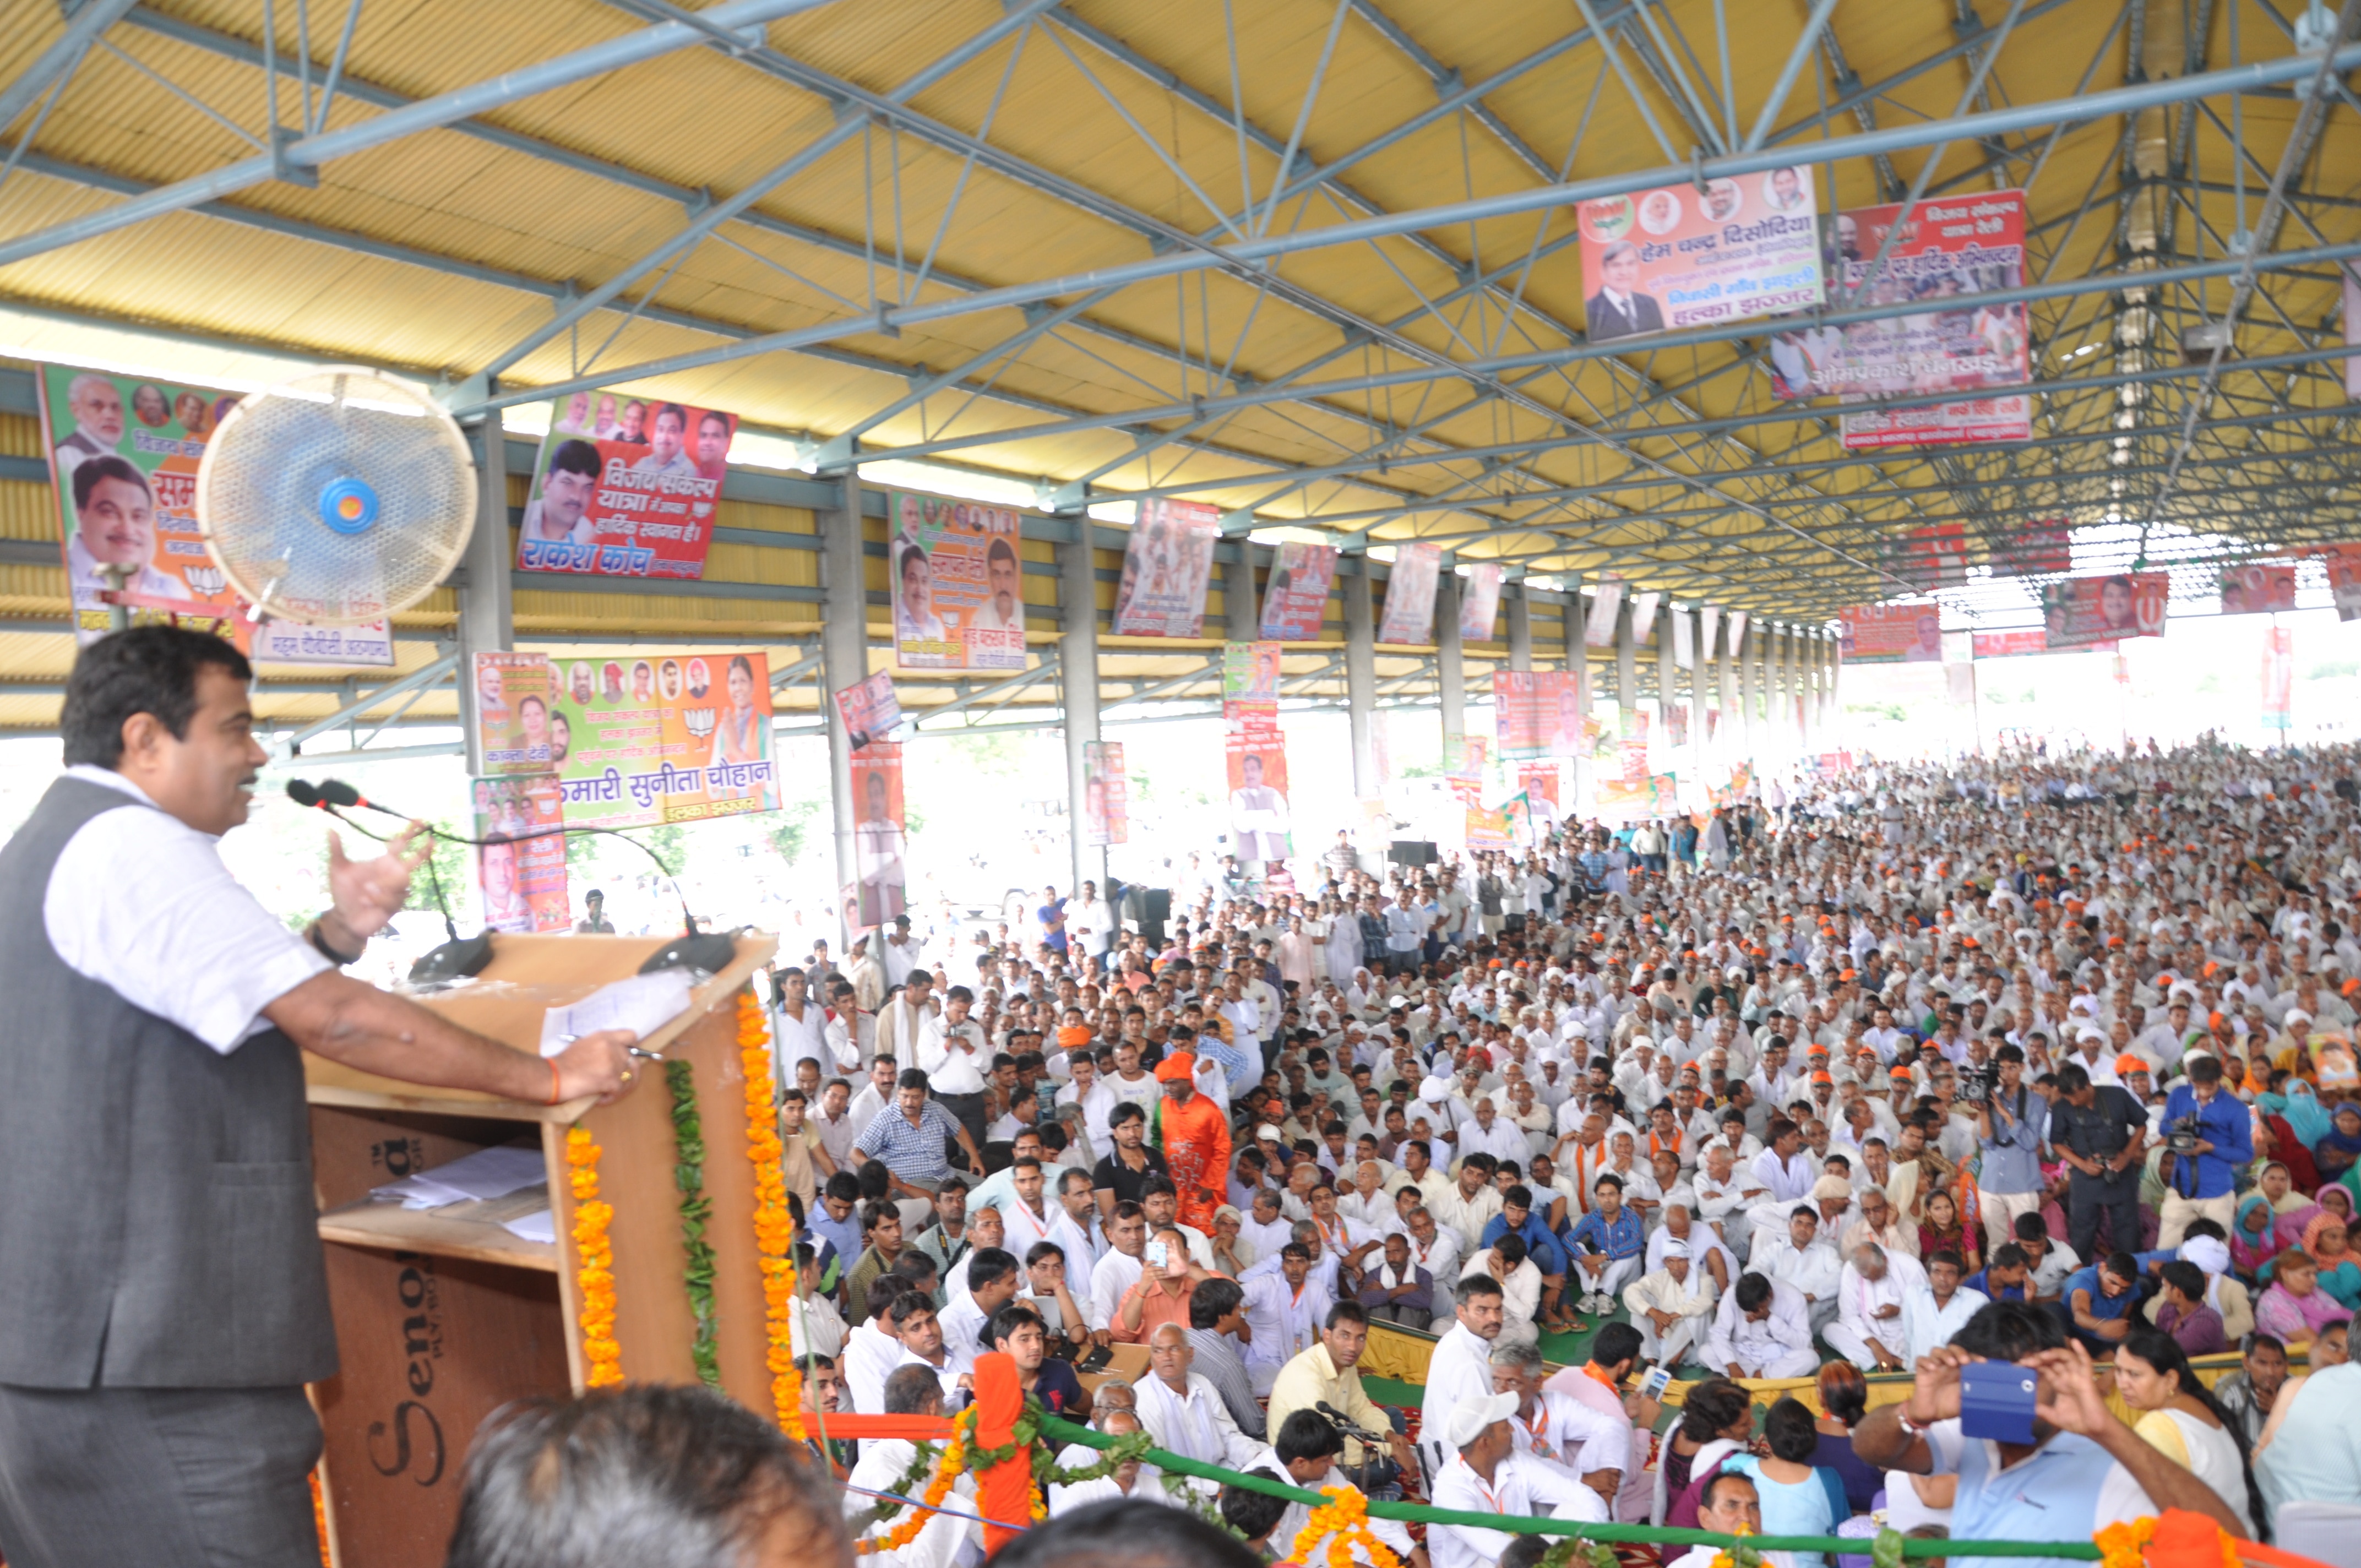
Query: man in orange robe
(1196, 1140)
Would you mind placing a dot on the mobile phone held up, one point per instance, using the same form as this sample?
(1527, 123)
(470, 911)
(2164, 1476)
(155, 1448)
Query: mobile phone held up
(1996, 1401)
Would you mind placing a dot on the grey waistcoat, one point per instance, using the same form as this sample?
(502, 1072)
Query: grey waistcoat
(157, 1222)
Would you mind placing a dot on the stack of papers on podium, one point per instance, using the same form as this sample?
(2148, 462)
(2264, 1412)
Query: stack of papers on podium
(488, 1173)
(642, 1003)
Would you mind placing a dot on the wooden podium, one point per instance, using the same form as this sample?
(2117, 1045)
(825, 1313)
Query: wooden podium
(441, 1318)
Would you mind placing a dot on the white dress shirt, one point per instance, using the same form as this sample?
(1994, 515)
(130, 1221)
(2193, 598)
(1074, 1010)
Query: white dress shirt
(1519, 1486)
(141, 902)
(953, 1056)
(1928, 1326)
(1459, 1368)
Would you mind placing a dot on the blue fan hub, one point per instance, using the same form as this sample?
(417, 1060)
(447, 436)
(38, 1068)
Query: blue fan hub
(348, 505)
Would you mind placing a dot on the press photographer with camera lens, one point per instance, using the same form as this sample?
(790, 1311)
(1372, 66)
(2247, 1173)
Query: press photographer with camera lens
(2209, 1138)
(2011, 1123)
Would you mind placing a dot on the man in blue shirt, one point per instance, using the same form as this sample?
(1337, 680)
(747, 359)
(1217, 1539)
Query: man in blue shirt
(2010, 1125)
(2202, 1183)
(2095, 1302)
(2005, 1278)
(2083, 1470)
(1608, 1245)
(1516, 1217)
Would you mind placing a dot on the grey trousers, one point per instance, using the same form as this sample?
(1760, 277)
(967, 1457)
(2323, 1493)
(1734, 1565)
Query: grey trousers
(189, 1477)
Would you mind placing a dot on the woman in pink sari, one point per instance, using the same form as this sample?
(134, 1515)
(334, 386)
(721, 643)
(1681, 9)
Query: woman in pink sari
(2295, 1309)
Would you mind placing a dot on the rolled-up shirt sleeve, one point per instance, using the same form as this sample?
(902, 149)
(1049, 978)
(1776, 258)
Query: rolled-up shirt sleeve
(141, 902)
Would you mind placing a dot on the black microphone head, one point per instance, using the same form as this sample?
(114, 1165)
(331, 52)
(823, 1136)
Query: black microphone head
(302, 793)
(336, 792)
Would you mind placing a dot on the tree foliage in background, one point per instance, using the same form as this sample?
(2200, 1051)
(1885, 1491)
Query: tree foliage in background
(454, 870)
(670, 842)
(792, 837)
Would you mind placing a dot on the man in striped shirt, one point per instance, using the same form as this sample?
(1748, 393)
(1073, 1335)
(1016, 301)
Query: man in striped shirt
(910, 1139)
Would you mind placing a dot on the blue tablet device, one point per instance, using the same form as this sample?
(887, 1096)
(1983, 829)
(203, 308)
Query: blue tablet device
(1997, 1401)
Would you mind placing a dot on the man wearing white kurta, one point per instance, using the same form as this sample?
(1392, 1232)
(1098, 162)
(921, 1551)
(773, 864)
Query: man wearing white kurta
(1461, 1365)
(1673, 1307)
(1761, 1329)
(1486, 1475)
(1183, 1411)
(1871, 1292)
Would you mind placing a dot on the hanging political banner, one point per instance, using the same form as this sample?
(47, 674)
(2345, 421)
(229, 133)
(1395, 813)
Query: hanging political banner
(1410, 594)
(1255, 751)
(1950, 249)
(1673, 257)
(2042, 549)
(1644, 615)
(1709, 623)
(958, 584)
(1167, 566)
(625, 487)
(1295, 599)
(1250, 673)
(1257, 757)
(880, 849)
(1537, 713)
(1932, 557)
(1684, 642)
(1633, 800)
(664, 737)
(1909, 631)
(1479, 602)
(1490, 828)
(872, 709)
(123, 453)
(2344, 564)
(2010, 645)
(1606, 599)
(513, 713)
(1106, 794)
(2079, 611)
(2255, 587)
(1539, 782)
(1738, 620)
(2279, 679)
(520, 867)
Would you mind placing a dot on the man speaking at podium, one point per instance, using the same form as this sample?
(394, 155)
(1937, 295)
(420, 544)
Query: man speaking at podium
(163, 1297)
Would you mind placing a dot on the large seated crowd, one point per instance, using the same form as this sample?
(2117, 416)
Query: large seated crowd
(2043, 1059)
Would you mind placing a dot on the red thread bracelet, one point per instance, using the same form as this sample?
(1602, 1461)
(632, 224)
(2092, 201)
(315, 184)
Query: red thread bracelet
(554, 1082)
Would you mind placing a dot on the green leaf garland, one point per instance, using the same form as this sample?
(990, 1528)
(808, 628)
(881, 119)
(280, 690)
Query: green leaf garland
(696, 1208)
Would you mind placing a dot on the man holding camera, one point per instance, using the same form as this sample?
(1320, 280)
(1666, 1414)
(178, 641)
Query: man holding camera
(2209, 1137)
(2100, 1132)
(2011, 1123)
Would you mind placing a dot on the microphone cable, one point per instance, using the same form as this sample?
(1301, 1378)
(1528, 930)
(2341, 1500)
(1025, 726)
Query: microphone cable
(330, 794)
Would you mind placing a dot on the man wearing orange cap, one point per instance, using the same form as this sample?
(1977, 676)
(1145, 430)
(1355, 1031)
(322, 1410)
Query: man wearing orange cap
(1195, 1137)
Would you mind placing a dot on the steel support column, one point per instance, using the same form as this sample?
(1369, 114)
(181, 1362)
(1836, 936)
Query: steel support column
(1450, 665)
(1361, 680)
(1520, 628)
(1807, 684)
(1726, 693)
(844, 659)
(1627, 662)
(1238, 592)
(1667, 682)
(1749, 660)
(1078, 688)
(487, 606)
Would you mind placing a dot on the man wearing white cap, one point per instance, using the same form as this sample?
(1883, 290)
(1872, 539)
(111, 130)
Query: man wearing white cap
(1486, 1475)
(1671, 1307)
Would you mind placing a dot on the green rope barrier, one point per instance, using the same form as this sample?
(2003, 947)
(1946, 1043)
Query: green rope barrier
(1661, 1535)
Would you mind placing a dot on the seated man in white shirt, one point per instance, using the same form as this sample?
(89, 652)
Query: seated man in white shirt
(945, 1538)
(1505, 1263)
(1799, 1255)
(1761, 1329)
(1135, 1479)
(1307, 1446)
(1486, 1475)
(1184, 1414)
(1872, 1292)
(1671, 1307)
(1934, 1314)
